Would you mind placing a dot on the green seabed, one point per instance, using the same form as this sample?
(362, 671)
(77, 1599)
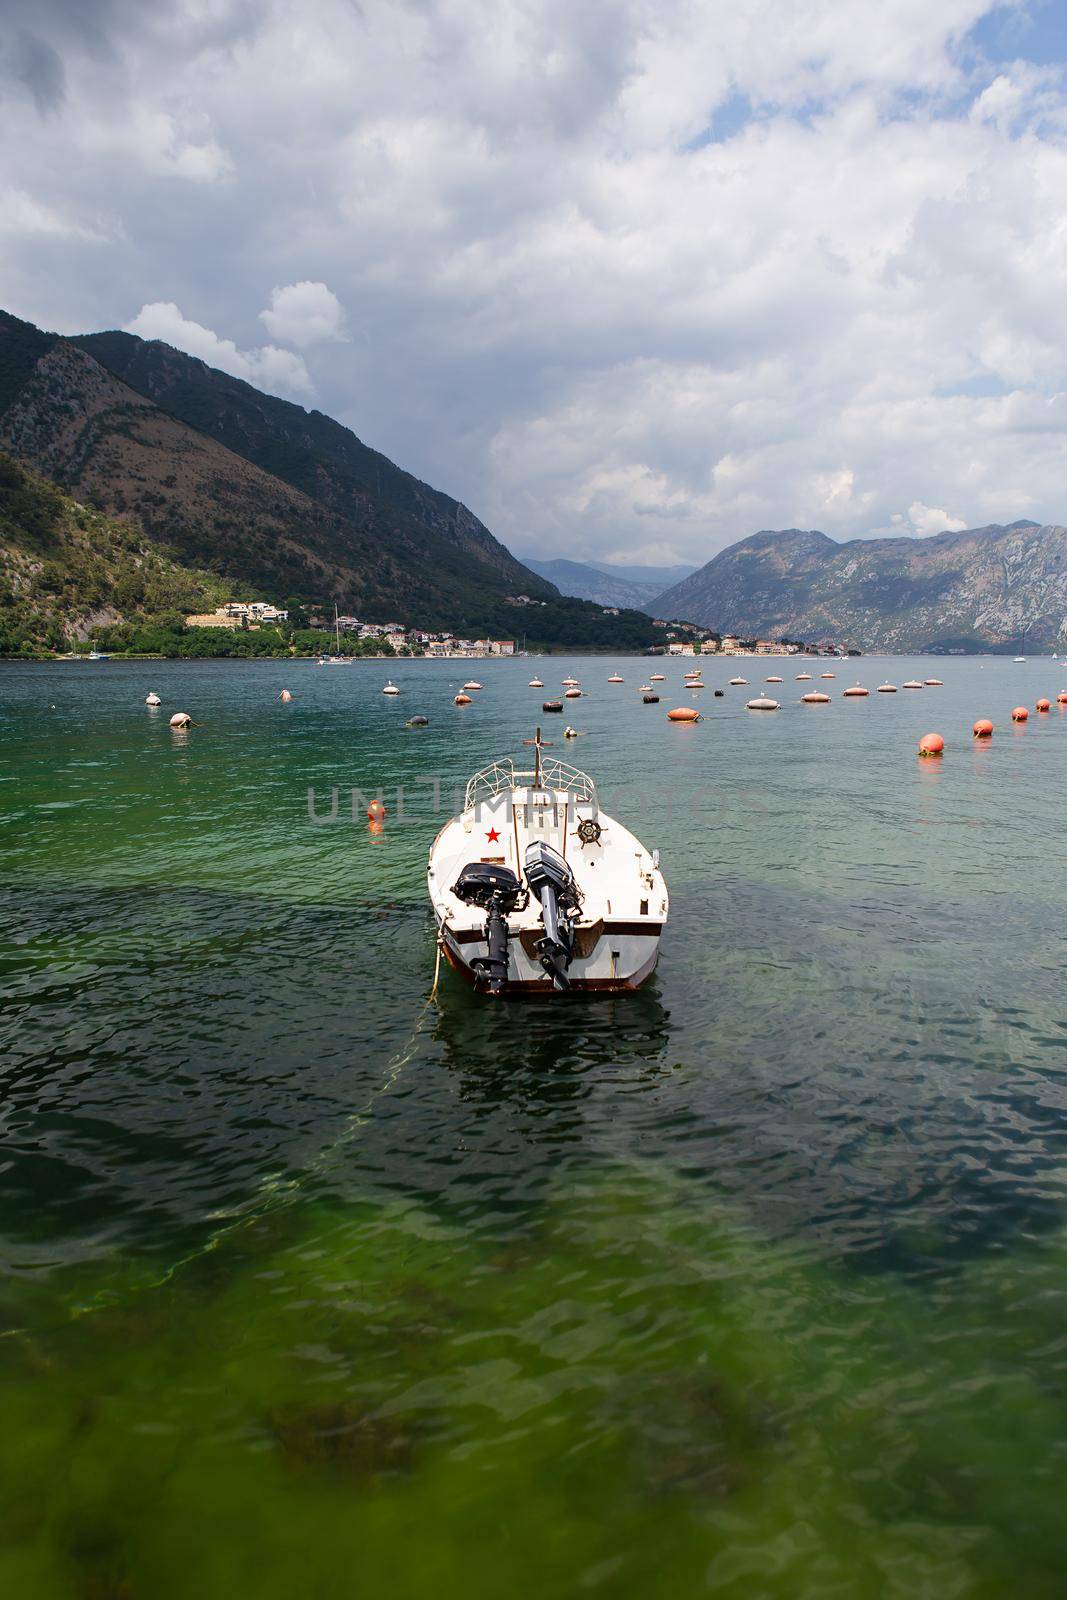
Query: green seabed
(754, 1284)
(637, 1394)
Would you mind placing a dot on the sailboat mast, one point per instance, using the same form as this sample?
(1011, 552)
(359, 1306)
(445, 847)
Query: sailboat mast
(537, 743)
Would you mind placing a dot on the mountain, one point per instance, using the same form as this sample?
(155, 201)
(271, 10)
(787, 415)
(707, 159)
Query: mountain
(268, 496)
(306, 449)
(65, 569)
(608, 585)
(992, 588)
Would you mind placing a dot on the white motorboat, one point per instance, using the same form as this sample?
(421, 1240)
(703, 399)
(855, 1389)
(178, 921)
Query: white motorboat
(537, 891)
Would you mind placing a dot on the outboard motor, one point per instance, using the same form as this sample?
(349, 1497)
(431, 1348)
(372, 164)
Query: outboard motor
(552, 881)
(497, 891)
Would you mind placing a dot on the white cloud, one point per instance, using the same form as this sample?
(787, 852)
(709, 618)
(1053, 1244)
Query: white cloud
(925, 520)
(630, 275)
(21, 213)
(303, 314)
(278, 371)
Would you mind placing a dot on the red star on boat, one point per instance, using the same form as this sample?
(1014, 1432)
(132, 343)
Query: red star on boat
(492, 836)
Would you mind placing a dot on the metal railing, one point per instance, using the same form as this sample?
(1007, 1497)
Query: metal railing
(555, 774)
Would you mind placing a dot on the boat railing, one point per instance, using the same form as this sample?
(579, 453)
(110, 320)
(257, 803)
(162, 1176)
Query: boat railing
(555, 774)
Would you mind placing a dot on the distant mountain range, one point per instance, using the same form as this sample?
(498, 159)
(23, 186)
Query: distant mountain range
(993, 588)
(285, 502)
(608, 585)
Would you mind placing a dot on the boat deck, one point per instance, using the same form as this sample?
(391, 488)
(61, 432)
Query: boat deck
(616, 874)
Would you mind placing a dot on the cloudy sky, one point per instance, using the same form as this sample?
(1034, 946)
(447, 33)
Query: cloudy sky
(632, 278)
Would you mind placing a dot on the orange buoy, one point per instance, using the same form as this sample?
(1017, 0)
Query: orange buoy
(1061, 698)
(1042, 705)
(931, 744)
(684, 714)
(1020, 714)
(462, 700)
(983, 728)
(376, 811)
(181, 719)
(857, 692)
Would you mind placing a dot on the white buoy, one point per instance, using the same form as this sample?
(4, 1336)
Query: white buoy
(285, 696)
(152, 700)
(735, 681)
(762, 702)
(181, 719)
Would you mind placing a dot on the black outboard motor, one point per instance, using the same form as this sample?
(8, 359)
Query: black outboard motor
(552, 881)
(498, 891)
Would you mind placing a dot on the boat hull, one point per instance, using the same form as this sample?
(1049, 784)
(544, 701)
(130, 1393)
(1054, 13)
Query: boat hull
(620, 961)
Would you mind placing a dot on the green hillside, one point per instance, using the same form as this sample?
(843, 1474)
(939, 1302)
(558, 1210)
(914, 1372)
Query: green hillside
(66, 570)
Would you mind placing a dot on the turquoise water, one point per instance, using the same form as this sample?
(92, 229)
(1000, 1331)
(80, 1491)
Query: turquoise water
(752, 1284)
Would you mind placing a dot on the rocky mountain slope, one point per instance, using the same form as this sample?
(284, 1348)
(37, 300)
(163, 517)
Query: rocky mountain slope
(993, 588)
(266, 495)
(306, 449)
(608, 586)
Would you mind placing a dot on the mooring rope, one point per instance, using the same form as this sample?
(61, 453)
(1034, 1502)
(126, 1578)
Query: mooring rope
(275, 1193)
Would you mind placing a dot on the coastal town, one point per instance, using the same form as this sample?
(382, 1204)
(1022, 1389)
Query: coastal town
(393, 638)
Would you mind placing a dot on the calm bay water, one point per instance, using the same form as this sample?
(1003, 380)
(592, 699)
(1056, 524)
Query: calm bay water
(753, 1284)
